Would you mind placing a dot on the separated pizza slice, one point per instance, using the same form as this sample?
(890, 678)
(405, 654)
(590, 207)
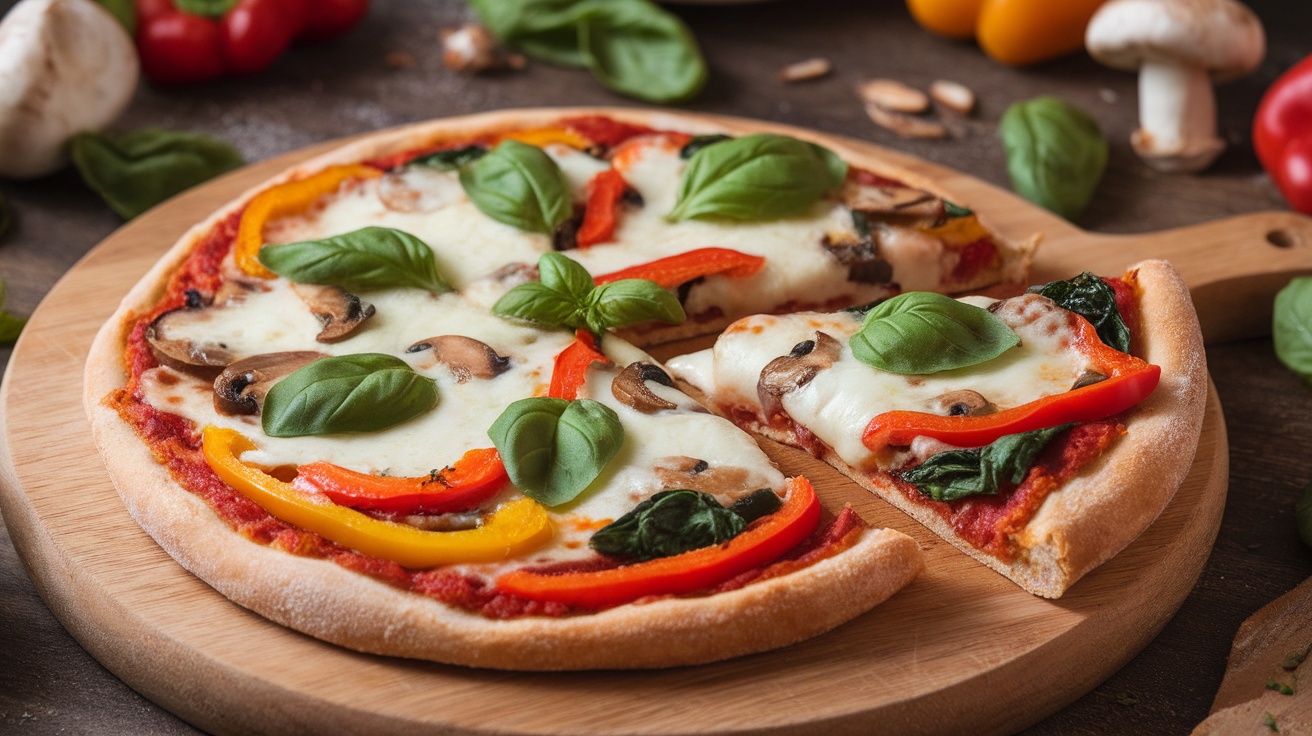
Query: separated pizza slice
(1041, 433)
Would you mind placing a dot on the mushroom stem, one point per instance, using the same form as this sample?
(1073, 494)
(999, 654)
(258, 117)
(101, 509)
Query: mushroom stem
(1177, 118)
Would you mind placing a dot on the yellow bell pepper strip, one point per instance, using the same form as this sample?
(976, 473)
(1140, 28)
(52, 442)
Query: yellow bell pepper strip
(517, 527)
(282, 200)
(543, 136)
(476, 477)
(699, 569)
(671, 271)
(1013, 32)
(1129, 381)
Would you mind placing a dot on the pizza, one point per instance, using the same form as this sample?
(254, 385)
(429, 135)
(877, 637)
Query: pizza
(397, 397)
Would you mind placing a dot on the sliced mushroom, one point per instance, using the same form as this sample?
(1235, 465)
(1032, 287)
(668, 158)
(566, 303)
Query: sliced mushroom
(963, 403)
(630, 387)
(891, 200)
(166, 341)
(683, 472)
(236, 289)
(1088, 378)
(241, 387)
(339, 311)
(858, 251)
(466, 357)
(788, 373)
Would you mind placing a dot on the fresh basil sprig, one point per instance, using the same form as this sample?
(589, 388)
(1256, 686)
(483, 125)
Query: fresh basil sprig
(677, 521)
(452, 158)
(1291, 327)
(519, 185)
(347, 393)
(138, 170)
(756, 177)
(633, 47)
(566, 296)
(554, 449)
(918, 333)
(369, 258)
(1055, 153)
(956, 474)
(1091, 297)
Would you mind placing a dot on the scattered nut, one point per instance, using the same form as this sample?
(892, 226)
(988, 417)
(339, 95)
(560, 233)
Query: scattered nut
(803, 70)
(399, 60)
(905, 125)
(893, 95)
(955, 96)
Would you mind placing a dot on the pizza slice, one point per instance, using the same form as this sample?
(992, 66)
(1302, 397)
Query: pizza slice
(1040, 433)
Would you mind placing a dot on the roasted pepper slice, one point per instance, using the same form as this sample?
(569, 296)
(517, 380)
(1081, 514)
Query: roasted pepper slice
(671, 271)
(517, 527)
(601, 215)
(571, 366)
(763, 542)
(477, 476)
(1129, 381)
(282, 200)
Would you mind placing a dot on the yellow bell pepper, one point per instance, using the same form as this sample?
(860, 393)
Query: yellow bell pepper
(282, 200)
(1014, 32)
(517, 527)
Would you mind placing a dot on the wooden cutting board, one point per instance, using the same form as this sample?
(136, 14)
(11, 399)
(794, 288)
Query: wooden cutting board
(961, 649)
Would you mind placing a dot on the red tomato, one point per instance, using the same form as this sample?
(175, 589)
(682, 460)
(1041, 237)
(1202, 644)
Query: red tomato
(255, 32)
(177, 48)
(331, 18)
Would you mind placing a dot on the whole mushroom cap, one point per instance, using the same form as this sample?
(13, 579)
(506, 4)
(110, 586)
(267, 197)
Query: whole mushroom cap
(1222, 36)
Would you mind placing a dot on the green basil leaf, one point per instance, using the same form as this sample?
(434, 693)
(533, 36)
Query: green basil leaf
(919, 333)
(629, 302)
(955, 210)
(565, 275)
(519, 185)
(635, 48)
(369, 258)
(699, 142)
(667, 524)
(10, 324)
(759, 503)
(956, 474)
(347, 393)
(554, 449)
(1092, 298)
(451, 159)
(138, 170)
(536, 302)
(124, 11)
(208, 8)
(1303, 516)
(1055, 154)
(544, 29)
(756, 177)
(1291, 327)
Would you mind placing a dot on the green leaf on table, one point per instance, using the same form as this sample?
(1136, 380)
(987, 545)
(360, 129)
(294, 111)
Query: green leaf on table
(554, 449)
(366, 392)
(1056, 153)
(1291, 327)
(136, 171)
(956, 474)
(918, 333)
(519, 185)
(364, 259)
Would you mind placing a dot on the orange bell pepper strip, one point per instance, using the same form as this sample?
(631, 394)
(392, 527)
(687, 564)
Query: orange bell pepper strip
(571, 366)
(602, 212)
(1129, 381)
(516, 528)
(763, 542)
(476, 477)
(282, 200)
(671, 271)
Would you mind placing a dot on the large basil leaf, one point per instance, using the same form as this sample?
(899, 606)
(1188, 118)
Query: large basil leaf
(667, 524)
(138, 170)
(630, 302)
(1091, 297)
(369, 258)
(1291, 327)
(347, 393)
(956, 474)
(918, 333)
(553, 449)
(1303, 516)
(519, 185)
(1055, 154)
(10, 324)
(452, 158)
(544, 29)
(756, 177)
(566, 276)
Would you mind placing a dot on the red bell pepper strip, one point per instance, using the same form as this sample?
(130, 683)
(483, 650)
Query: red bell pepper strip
(674, 270)
(1129, 381)
(473, 479)
(763, 542)
(601, 215)
(1282, 134)
(571, 367)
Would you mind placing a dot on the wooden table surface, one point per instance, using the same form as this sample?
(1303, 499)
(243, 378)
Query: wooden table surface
(48, 684)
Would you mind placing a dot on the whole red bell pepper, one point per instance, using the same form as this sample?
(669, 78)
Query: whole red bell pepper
(477, 476)
(1282, 134)
(179, 44)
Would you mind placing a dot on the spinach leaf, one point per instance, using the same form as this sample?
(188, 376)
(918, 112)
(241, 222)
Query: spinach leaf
(919, 332)
(1291, 327)
(1092, 298)
(369, 258)
(138, 170)
(955, 210)
(209, 8)
(756, 177)
(762, 502)
(553, 449)
(124, 11)
(699, 142)
(956, 474)
(1303, 516)
(10, 324)
(519, 185)
(451, 159)
(347, 393)
(1055, 153)
(667, 524)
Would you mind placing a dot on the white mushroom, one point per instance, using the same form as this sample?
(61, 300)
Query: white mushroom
(66, 66)
(1179, 48)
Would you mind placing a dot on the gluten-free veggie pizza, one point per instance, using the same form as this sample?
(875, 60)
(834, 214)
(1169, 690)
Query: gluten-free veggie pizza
(397, 397)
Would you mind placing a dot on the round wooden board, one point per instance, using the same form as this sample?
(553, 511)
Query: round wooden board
(960, 649)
